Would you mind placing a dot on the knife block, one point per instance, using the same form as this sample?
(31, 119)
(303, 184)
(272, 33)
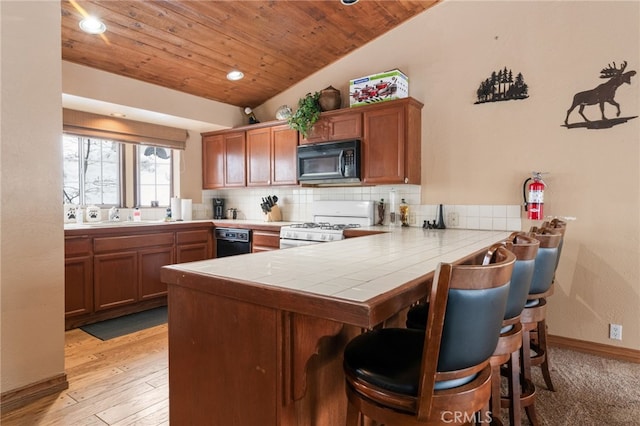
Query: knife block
(274, 215)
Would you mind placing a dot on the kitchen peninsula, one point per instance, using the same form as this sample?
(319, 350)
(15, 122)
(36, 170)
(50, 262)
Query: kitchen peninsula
(258, 339)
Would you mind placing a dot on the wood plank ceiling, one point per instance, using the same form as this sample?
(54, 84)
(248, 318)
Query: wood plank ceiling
(190, 46)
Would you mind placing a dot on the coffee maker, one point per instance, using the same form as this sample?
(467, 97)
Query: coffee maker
(218, 208)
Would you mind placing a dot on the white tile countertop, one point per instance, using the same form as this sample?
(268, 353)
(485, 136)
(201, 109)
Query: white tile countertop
(359, 271)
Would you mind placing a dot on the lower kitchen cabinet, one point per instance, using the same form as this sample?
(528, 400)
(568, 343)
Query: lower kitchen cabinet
(265, 240)
(194, 245)
(149, 263)
(78, 276)
(115, 271)
(115, 279)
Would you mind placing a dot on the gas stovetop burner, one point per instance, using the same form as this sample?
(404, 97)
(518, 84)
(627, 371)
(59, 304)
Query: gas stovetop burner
(324, 226)
(339, 227)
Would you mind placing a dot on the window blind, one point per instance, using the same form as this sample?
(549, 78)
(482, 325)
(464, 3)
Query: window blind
(112, 128)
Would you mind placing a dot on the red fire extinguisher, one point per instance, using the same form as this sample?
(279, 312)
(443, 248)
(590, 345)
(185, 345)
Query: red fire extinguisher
(535, 206)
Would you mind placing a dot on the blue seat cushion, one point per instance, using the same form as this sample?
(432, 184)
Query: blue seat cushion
(390, 358)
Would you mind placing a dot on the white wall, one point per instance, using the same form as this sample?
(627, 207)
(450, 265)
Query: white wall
(481, 154)
(31, 234)
(92, 90)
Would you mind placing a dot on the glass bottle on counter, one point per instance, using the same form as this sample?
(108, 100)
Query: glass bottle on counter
(392, 207)
(404, 213)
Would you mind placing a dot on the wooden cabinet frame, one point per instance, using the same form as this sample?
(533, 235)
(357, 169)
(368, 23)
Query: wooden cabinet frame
(115, 271)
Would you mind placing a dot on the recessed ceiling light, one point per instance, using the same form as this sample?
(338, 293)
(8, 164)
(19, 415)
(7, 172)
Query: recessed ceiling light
(235, 75)
(92, 25)
(348, 2)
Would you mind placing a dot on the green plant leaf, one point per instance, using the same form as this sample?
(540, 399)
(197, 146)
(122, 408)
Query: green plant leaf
(306, 115)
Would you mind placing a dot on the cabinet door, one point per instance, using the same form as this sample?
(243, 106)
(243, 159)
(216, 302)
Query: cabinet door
(78, 285)
(234, 164)
(283, 167)
(115, 279)
(265, 240)
(193, 252)
(384, 146)
(194, 245)
(259, 157)
(150, 261)
(334, 127)
(212, 162)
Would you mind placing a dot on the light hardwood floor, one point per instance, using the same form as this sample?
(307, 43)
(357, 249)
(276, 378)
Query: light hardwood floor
(122, 381)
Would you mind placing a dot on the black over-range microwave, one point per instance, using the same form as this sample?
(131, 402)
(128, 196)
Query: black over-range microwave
(331, 162)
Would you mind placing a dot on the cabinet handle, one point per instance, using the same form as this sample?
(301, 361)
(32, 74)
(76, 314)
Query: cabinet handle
(406, 180)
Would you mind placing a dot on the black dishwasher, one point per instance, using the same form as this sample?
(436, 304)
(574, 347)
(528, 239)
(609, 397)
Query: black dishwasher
(230, 242)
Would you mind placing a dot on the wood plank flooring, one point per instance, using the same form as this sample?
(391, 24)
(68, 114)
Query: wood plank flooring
(122, 381)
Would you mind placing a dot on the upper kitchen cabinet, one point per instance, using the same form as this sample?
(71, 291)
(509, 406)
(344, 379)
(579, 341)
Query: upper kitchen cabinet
(223, 159)
(391, 142)
(271, 156)
(336, 125)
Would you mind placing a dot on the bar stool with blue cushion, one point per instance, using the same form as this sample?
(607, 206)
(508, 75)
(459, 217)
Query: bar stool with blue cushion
(440, 375)
(507, 351)
(534, 314)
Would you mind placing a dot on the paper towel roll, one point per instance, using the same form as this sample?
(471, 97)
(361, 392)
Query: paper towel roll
(186, 209)
(176, 209)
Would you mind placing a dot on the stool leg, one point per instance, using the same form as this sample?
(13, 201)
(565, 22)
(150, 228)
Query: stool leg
(526, 375)
(515, 416)
(353, 415)
(495, 392)
(542, 342)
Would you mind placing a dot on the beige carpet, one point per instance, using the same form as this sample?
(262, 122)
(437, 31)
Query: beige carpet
(590, 390)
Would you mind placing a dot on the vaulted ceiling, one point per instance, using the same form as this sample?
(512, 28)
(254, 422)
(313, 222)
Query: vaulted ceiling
(190, 46)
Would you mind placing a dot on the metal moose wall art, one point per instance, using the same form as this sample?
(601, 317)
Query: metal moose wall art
(602, 94)
(502, 86)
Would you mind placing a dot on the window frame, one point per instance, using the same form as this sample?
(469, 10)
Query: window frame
(136, 175)
(81, 139)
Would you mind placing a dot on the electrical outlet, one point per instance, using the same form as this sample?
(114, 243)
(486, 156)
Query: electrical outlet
(453, 219)
(615, 331)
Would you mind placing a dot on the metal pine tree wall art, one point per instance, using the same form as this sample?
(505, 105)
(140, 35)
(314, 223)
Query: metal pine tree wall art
(603, 93)
(502, 86)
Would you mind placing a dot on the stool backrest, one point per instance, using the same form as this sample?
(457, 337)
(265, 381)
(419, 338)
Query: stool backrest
(546, 260)
(558, 226)
(525, 249)
(466, 307)
(475, 304)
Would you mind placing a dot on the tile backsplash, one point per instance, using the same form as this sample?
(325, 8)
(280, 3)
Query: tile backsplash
(296, 203)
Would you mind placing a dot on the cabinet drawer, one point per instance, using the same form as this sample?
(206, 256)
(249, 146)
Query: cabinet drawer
(77, 246)
(132, 241)
(197, 236)
(266, 239)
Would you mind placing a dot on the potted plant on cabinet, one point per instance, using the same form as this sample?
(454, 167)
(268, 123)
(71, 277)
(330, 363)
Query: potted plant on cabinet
(307, 114)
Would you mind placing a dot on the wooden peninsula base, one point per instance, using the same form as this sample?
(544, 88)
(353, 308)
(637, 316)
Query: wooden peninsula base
(257, 339)
(252, 365)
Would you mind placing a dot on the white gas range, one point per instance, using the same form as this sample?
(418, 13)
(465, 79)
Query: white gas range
(330, 219)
